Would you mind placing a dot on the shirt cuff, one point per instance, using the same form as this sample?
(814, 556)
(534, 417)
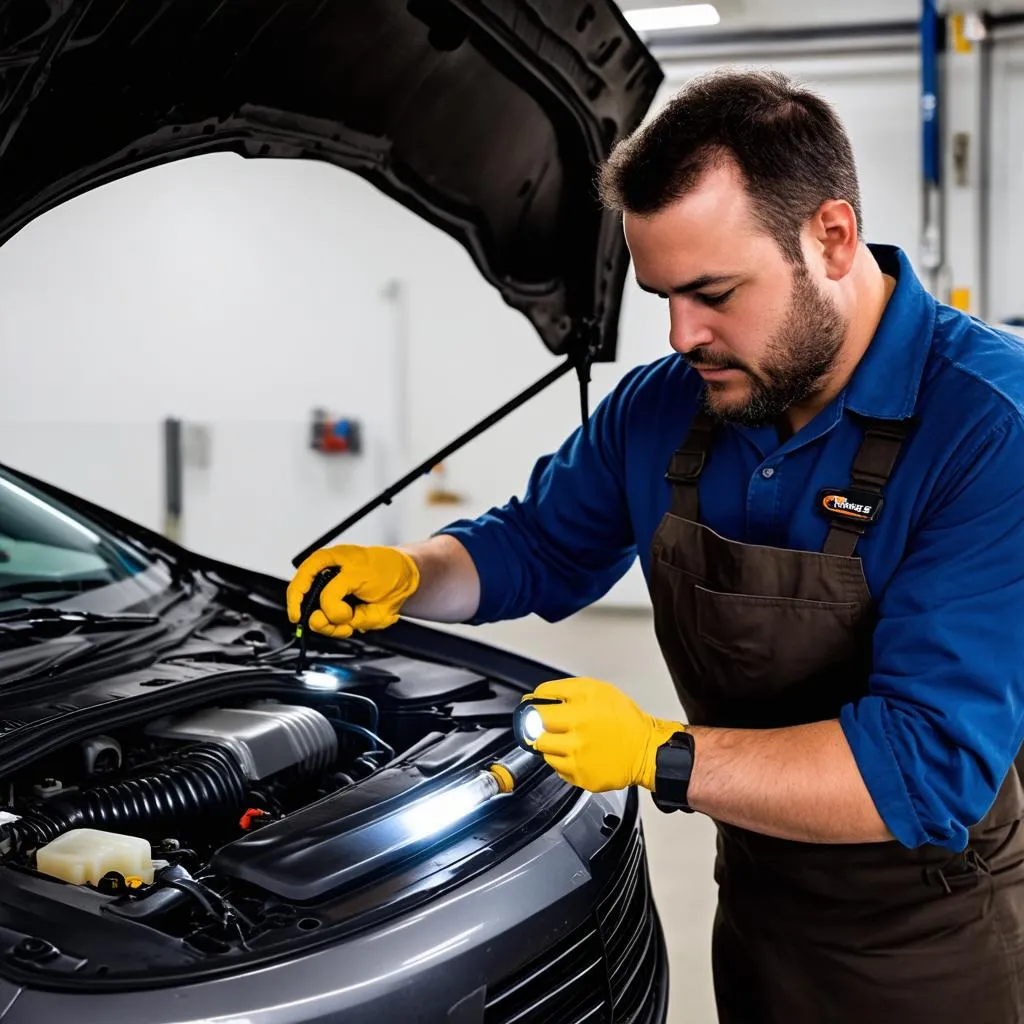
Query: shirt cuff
(864, 725)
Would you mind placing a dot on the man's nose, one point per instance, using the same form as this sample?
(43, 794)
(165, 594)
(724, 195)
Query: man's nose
(688, 327)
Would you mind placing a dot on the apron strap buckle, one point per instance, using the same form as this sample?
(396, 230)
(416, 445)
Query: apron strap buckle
(685, 467)
(687, 464)
(879, 450)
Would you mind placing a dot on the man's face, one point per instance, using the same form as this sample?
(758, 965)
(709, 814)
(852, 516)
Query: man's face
(759, 330)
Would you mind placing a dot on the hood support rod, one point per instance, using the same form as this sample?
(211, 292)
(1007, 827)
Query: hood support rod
(580, 361)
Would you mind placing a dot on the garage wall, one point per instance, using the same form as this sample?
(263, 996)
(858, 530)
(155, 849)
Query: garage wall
(239, 296)
(1006, 185)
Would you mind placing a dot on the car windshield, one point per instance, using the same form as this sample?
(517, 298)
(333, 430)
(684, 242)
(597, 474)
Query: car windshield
(49, 553)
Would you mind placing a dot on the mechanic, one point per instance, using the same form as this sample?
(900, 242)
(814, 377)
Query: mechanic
(825, 486)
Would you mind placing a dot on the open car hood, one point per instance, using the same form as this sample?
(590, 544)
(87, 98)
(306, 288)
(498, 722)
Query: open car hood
(486, 117)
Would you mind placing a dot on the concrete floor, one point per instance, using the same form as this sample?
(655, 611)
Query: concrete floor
(620, 647)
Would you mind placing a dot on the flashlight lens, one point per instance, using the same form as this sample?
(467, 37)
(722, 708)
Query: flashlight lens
(533, 724)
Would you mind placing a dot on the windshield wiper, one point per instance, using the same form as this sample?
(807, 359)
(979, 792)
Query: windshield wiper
(40, 624)
(19, 616)
(49, 663)
(33, 632)
(62, 639)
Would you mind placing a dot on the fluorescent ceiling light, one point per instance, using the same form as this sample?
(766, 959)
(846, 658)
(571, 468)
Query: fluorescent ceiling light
(654, 19)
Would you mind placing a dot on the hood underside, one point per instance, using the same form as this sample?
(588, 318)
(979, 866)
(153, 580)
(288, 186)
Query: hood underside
(486, 117)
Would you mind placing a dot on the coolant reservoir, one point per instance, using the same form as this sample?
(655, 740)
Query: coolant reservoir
(87, 854)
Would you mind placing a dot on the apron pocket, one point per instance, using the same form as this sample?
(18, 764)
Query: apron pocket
(756, 642)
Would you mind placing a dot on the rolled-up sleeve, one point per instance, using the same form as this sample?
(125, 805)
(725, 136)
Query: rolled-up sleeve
(944, 716)
(569, 538)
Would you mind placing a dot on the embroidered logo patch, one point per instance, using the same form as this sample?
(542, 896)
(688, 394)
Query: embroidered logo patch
(860, 506)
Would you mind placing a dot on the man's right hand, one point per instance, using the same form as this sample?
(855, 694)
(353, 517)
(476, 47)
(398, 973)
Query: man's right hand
(381, 578)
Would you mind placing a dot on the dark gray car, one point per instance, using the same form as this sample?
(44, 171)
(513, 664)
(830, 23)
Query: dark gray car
(324, 839)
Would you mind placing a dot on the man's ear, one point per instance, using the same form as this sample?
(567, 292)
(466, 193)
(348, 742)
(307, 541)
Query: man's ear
(833, 231)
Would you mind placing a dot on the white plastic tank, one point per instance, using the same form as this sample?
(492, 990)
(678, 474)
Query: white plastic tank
(87, 854)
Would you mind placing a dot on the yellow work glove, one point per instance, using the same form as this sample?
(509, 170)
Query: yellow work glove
(597, 738)
(382, 578)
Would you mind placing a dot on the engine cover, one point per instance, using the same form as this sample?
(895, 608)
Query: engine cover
(265, 737)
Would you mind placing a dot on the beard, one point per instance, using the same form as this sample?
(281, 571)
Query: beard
(799, 358)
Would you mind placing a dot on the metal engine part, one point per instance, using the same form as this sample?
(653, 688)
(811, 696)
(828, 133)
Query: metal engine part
(101, 754)
(265, 737)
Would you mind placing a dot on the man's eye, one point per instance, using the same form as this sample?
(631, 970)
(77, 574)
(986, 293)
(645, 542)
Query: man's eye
(716, 300)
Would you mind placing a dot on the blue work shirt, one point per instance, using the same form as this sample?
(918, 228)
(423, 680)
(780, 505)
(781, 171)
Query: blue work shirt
(944, 716)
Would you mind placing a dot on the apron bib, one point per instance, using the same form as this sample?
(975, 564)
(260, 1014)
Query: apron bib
(762, 637)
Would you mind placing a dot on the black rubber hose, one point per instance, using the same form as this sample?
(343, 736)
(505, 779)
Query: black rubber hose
(203, 781)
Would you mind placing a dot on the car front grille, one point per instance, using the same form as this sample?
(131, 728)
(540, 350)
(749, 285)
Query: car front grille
(603, 972)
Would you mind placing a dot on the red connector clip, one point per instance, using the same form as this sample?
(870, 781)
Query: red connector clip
(252, 812)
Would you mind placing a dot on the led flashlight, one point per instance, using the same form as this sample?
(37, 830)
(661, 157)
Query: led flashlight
(533, 724)
(527, 724)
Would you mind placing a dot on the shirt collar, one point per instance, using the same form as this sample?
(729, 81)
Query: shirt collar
(886, 381)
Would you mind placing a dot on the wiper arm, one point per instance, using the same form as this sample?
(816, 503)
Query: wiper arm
(49, 664)
(129, 641)
(33, 628)
(29, 624)
(75, 616)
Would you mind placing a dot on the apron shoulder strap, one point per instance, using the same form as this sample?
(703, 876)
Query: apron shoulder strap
(687, 464)
(872, 467)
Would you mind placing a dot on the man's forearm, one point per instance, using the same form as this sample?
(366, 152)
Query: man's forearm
(449, 589)
(798, 783)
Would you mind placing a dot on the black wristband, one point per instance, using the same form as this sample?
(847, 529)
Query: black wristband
(673, 768)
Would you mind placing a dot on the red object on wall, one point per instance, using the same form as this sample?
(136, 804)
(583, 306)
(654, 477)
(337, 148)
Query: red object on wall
(335, 436)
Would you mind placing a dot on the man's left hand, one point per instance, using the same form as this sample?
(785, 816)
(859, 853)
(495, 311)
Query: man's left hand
(596, 737)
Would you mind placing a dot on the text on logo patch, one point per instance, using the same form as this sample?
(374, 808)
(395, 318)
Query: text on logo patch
(849, 504)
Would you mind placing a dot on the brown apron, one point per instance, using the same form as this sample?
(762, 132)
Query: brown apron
(761, 637)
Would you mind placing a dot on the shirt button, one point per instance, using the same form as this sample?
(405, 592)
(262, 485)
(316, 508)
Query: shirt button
(768, 472)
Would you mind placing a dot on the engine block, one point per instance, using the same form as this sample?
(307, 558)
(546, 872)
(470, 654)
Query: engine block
(265, 737)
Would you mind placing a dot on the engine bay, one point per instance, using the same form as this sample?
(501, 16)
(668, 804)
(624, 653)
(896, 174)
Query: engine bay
(233, 804)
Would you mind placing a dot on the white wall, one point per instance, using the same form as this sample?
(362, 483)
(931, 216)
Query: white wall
(1006, 189)
(238, 295)
(241, 294)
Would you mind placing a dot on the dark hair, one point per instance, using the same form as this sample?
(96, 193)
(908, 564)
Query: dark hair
(789, 144)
